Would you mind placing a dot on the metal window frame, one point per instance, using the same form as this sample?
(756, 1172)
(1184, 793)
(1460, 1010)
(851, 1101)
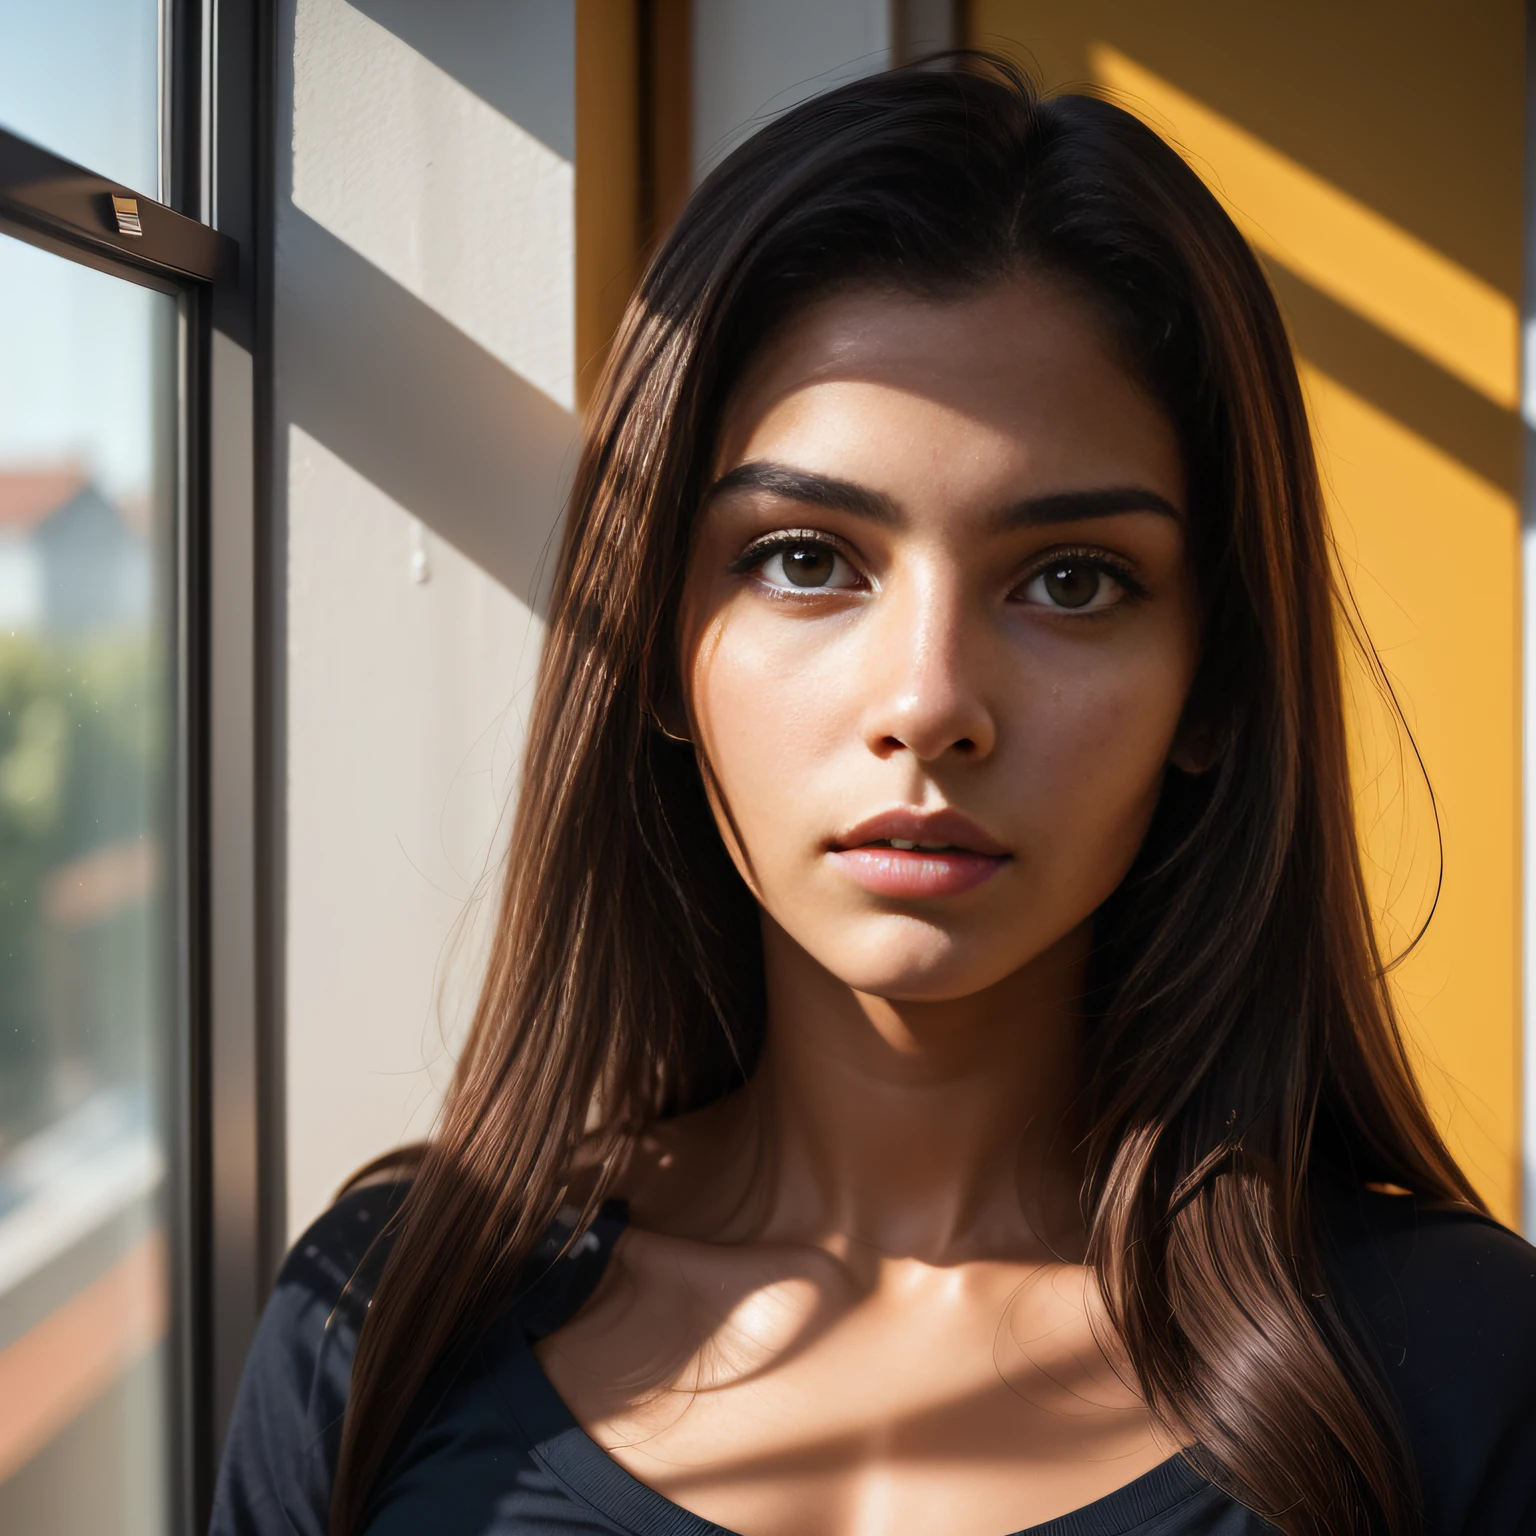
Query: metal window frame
(220, 69)
(67, 209)
(225, 63)
(199, 246)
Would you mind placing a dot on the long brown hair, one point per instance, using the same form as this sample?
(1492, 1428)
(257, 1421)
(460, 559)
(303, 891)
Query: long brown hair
(1243, 1046)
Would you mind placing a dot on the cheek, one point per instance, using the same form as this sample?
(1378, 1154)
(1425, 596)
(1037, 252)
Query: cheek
(771, 703)
(1092, 749)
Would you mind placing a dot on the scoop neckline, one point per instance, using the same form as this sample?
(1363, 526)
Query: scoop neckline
(556, 1438)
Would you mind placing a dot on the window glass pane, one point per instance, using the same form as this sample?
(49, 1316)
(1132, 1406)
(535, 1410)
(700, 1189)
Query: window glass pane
(87, 475)
(81, 77)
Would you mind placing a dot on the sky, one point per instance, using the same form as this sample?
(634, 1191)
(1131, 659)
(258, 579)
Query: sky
(81, 354)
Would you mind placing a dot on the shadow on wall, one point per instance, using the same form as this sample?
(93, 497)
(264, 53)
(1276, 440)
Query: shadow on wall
(500, 52)
(423, 440)
(451, 434)
(424, 286)
(1417, 125)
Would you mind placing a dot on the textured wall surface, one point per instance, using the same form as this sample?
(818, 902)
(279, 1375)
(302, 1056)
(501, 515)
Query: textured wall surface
(425, 382)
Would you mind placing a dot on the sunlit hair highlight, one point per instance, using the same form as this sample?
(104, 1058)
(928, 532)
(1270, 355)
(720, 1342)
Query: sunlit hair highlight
(1243, 1057)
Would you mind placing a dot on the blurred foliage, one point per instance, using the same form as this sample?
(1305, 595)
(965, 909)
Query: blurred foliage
(82, 741)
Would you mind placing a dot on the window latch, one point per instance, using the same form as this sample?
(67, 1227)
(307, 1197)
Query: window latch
(126, 211)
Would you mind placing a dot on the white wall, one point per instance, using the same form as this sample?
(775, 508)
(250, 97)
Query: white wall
(424, 389)
(751, 60)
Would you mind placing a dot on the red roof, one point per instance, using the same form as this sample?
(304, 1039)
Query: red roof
(27, 496)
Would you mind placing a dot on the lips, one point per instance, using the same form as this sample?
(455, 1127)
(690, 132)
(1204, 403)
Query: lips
(911, 854)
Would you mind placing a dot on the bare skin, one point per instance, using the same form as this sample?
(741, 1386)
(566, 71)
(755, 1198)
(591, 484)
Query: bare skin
(851, 1299)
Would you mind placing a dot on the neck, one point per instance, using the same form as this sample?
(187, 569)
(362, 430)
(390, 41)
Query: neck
(931, 1129)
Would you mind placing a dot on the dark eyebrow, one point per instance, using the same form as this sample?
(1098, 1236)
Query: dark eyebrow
(1076, 506)
(844, 496)
(805, 485)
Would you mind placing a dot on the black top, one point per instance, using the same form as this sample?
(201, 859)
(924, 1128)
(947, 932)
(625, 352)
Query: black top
(1446, 1299)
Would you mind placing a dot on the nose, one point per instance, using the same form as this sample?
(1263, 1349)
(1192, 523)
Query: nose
(925, 667)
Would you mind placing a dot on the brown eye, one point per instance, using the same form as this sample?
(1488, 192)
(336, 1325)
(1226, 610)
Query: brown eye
(1072, 586)
(808, 565)
(1075, 585)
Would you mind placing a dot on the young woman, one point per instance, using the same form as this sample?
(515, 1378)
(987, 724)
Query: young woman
(935, 1073)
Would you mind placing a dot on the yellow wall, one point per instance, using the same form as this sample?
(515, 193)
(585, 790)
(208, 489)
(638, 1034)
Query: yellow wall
(1372, 154)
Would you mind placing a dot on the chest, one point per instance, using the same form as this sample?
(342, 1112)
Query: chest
(773, 1395)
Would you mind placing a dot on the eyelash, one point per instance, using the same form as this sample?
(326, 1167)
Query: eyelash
(764, 549)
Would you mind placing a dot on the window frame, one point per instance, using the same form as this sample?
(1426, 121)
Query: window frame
(219, 1238)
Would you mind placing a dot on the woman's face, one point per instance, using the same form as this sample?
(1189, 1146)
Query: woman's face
(938, 631)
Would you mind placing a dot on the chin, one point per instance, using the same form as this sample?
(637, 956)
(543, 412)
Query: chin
(908, 960)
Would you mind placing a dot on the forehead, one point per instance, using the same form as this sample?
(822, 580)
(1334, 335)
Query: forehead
(1011, 390)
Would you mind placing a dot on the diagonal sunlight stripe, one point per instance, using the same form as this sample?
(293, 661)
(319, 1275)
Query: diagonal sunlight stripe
(461, 206)
(1333, 241)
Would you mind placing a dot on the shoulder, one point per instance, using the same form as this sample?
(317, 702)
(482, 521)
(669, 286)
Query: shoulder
(280, 1453)
(328, 1261)
(285, 1435)
(1438, 1284)
(1445, 1300)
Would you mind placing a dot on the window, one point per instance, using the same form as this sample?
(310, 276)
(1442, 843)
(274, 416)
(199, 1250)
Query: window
(104, 309)
(87, 847)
